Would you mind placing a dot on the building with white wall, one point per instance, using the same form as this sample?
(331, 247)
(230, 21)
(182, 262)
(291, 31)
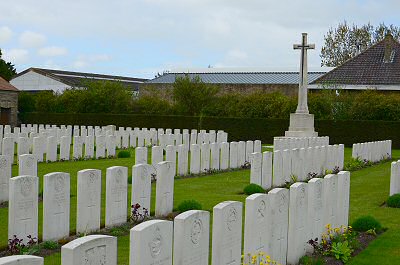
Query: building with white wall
(38, 79)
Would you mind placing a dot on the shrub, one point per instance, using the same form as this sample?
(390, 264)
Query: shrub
(189, 205)
(366, 223)
(50, 245)
(394, 201)
(124, 154)
(253, 188)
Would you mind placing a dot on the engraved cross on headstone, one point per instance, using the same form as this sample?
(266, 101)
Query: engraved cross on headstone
(303, 84)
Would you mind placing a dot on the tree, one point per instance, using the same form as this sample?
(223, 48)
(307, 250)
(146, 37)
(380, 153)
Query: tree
(345, 41)
(192, 95)
(7, 69)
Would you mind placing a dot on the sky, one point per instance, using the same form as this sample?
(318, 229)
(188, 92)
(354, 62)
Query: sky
(140, 38)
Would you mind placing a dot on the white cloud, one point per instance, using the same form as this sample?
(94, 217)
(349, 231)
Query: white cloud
(84, 61)
(5, 34)
(52, 51)
(31, 39)
(16, 56)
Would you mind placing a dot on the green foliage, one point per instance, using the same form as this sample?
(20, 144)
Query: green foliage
(341, 251)
(346, 41)
(49, 245)
(253, 188)
(394, 201)
(192, 95)
(26, 102)
(7, 69)
(189, 205)
(124, 154)
(366, 223)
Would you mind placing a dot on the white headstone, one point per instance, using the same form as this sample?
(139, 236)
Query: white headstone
(257, 229)
(151, 243)
(65, 147)
(157, 155)
(227, 233)
(249, 150)
(170, 155)
(21, 260)
(298, 213)
(182, 160)
(394, 178)
(27, 165)
(266, 177)
(279, 199)
(23, 145)
(7, 148)
(257, 146)
(278, 178)
(77, 147)
(141, 186)
(93, 249)
(192, 237)
(330, 200)
(205, 158)
(116, 195)
(215, 156)
(51, 153)
(89, 147)
(100, 146)
(164, 188)
(88, 201)
(38, 148)
(110, 145)
(315, 208)
(23, 207)
(343, 198)
(233, 155)
(5, 175)
(140, 155)
(56, 206)
(256, 160)
(195, 159)
(224, 161)
(241, 153)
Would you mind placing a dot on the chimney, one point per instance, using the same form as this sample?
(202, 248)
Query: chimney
(389, 51)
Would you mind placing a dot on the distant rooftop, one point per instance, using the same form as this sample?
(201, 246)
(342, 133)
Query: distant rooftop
(5, 86)
(75, 79)
(217, 76)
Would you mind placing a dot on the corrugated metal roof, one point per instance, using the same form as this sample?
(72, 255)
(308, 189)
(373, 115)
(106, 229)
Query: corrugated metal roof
(275, 78)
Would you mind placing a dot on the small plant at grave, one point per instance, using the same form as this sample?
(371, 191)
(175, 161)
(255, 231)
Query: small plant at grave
(118, 231)
(210, 171)
(258, 259)
(327, 172)
(16, 246)
(394, 201)
(124, 154)
(50, 245)
(189, 205)
(335, 170)
(293, 178)
(253, 188)
(246, 165)
(329, 245)
(341, 251)
(137, 215)
(366, 223)
(354, 164)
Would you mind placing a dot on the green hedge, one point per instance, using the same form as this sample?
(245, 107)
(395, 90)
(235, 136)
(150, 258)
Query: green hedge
(346, 132)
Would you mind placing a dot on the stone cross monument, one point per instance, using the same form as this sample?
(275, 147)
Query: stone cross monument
(301, 122)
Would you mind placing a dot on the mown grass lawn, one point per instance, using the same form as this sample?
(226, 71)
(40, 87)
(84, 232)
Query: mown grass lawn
(369, 188)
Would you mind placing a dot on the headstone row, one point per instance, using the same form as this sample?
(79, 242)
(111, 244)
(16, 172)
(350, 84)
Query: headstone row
(283, 143)
(278, 223)
(23, 199)
(295, 165)
(372, 151)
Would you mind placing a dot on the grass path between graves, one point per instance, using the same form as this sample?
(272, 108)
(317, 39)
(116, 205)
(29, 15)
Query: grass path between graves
(369, 188)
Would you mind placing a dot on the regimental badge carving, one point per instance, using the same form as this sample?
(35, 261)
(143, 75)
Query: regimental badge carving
(118, 176)
(26, 187)
(59, 183)
(156, 243)
(195, 233)
(261, 209)
(95, 256)
(91, 178)
(232, 218)
(3, 162)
